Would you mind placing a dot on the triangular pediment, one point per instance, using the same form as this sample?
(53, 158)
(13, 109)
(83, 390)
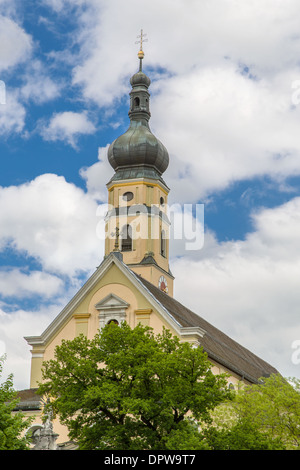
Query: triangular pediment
(111, 301)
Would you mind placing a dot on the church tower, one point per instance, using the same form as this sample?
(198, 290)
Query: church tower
(137, 222)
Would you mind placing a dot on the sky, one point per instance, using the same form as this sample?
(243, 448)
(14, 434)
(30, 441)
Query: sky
(225, 102)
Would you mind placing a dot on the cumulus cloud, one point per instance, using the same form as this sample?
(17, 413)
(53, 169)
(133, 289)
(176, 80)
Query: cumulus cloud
(221, 95)
(228, 127)
(14, 282)
(38, 86)
(54, 222)
(16, 43)
(67, 126)
(18, 48)
(13, 327)
(231, 30)
(59, 5)
(12, 114)
(98, 175)
(250, 289)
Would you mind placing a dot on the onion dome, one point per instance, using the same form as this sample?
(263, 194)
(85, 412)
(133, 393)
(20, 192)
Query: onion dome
(138, 153)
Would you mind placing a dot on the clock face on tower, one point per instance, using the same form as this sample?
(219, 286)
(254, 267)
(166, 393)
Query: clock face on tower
(162, 284)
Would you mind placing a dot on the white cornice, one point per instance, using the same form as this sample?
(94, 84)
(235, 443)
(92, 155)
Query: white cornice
(125, 182)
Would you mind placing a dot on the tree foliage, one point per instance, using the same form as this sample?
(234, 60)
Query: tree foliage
(130, 389)
(261, 416)
(273, 406)
(242, 435)
(12, 424)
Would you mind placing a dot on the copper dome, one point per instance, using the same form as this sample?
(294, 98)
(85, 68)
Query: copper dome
(138, 147)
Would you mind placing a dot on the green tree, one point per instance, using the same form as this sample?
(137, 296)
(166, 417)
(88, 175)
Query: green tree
(261, 416)
(12, 424)
(130, 389)
(243, 435)
(273, 406)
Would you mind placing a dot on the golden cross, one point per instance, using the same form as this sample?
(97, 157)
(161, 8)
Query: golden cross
(141, 41)
(141, 37)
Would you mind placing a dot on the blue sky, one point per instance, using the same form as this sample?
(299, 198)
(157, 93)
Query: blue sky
(225, 102)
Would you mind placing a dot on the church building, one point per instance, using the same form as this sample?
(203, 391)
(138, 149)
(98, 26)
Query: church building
(134, 282)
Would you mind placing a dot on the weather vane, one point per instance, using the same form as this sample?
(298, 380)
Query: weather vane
(141, 52)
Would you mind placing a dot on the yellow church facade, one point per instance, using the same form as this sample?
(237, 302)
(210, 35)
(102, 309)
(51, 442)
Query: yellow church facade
(134, 282)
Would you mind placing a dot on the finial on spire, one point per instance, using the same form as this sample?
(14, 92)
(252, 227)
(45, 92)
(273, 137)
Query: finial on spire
(141, 52)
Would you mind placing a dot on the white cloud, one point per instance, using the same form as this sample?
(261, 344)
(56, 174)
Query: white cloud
(67, 126)
(250, 289)
(18, 284)
(16, 43)
(18, 48)
(98, 175)
(13, 327)
(12, 114)
(53, 221)
(59, 5)
(226, 128)
(38, 86)
(56, 5)
(221, 94)
(180, 38)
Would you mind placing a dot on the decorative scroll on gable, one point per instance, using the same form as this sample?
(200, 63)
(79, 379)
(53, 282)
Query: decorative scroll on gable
(111, 308)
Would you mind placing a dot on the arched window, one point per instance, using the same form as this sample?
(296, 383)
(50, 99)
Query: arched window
(112, 309)
(113, 321)
(136, 102)
(163, 243)
(126, 238)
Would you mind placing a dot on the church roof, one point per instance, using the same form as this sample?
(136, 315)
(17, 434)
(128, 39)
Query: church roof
(29, 400)
(216, 344)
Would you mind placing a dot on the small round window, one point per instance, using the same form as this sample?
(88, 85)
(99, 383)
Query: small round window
(162, 201)
(128, 196)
